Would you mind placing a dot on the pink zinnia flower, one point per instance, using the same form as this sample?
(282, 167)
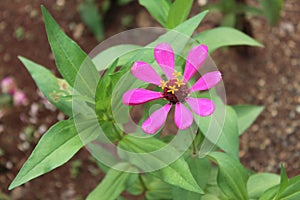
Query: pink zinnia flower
(174, 90)
(8, 85)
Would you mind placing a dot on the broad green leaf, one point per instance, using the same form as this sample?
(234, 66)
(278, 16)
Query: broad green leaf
(200, 168)
(232, 177)
(90, 15)
(159, 9)
(69, 58)
(272, 9)
(56, 147)
(49, 86)
(178, 12)
(156, 189)
(246, 115)
(113, 184)
(259, 183)
(151, 153)
(224, 36)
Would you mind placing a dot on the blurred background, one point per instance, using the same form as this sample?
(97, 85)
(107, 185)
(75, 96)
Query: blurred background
(268, 76)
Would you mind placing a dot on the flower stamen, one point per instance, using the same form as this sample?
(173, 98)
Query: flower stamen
(177, 74)
(172, 89)
(163, 84)
(179, 83)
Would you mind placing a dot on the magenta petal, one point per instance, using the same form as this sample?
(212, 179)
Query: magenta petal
(156, 119)
(207, 81)
(183, 116)
(195, 59)
(202, 107)
(164, 56)
(144, 72)
(139, 96)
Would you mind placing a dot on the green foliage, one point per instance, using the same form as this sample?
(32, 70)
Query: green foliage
(69, 57)
(181, 173)
(258, 183)
(288, 189)
(159, 9)
(176, 173)
(272, 9)
(178, 13)
(48, 155)
(155, 188)
(200, 168)
(113, 184)
(224, 36)
(233, 10)
(232, 176)
(246, 115)
(54, 89)
(223, 124)
(90, 15)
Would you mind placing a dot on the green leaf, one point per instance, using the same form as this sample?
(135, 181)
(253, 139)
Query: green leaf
(121, 52)
(292, 191)
(151, 153)
(113, 183)
(89, 14)
(49, 86)
(270, 193)
(200, 168)
(272, 9)
(159, 9)
(156, 189)
(224, 36)
(178, 12)
(232, 177)
(286, 190)
(259, 183)
(246, 115)
(224, 122)
(56, 147)
(137, 187)
(180, 35)
(284, 180)
(69, 58)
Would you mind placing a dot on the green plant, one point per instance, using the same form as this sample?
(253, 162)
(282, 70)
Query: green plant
(214, 174)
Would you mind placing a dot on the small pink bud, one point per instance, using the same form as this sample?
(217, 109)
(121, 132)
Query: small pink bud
(20, 98)
(8, 85)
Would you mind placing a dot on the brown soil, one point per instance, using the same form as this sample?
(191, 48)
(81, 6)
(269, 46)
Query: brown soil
(268, 76)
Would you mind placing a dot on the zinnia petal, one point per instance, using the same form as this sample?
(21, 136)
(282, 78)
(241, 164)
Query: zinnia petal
(139, 96)
(156, 119)
(195, 59)
(144, 72)
(183, 116)
(207, 81)
(202, 107)
(164, 56)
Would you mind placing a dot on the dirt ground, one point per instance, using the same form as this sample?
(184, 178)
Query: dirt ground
(267, 76)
